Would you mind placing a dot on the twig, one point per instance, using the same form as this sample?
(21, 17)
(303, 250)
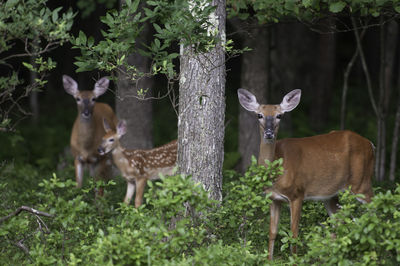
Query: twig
(28, 209)
(365, 67)
(346, 82)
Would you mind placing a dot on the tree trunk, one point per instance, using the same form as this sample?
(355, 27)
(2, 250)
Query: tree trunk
(137, 113)
(202, 111)
(388, 51)
(392, 46)
(346, 75)
(395, 140)
(254, 78)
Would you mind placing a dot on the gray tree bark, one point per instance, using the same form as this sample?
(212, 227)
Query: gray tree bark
(202, 111)
(137, 113)
(254, 78)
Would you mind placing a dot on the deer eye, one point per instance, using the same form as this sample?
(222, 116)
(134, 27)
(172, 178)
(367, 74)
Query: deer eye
(279, 116)
(260, 116)
(93, 99)
(78, 99)
(111, 140)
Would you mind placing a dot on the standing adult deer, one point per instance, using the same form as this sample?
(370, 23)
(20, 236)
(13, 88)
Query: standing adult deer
(316, 167)
(88, 130)
(137, 166)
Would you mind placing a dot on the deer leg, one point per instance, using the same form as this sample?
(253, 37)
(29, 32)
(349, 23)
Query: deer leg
(102, 171)
(275, 210)
(295, 211)
(130, 189)
(78, 172)
(140, 185)
(332, 205)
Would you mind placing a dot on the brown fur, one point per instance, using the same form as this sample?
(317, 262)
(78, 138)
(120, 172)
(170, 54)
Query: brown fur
(138, 166)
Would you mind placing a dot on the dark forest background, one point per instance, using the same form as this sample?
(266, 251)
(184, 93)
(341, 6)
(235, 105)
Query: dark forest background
(284, 56)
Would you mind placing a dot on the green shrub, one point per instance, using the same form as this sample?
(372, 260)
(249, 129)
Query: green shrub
(179, 225)
(244, 213)
(360, 234)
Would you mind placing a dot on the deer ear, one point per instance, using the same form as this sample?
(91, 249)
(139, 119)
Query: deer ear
(70, 85)
(291, 100)
(106, 125)
(101, 86)
(121, 128)
(248, 100)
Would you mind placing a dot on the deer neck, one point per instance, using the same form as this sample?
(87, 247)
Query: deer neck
(267, 152)
(86, 129)
(118, 152)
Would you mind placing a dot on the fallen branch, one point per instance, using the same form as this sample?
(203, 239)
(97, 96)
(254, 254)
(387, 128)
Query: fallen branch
(28, 209)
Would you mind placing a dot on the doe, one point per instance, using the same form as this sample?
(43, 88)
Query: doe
(316, 167)
(88, 130)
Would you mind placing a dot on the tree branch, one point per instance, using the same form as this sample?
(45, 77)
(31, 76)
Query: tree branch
(28, 209)
(365, 67)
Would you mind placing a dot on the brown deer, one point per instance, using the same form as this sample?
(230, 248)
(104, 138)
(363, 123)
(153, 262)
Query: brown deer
(316, 167)
(88, 130)
(137, 166)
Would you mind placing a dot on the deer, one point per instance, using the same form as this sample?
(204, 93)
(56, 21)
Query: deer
(87, 130)
(137, 166)
(315, 168)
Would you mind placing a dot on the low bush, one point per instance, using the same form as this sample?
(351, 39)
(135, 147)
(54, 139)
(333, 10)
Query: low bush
(179, 225)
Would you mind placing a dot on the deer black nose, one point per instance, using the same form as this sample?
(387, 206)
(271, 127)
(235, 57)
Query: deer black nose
(269, 134)
(101, 150)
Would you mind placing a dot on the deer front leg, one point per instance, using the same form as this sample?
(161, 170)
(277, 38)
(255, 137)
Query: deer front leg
(140, 185)
(102, 171)
(78, 172)
(130, 189)
(295, 211)
(275, 211)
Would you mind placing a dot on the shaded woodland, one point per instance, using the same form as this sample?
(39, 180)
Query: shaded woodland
(346, 64)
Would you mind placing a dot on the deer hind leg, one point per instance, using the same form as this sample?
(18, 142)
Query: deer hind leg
(361, 183)
(295, 212)
(140, 185)
(332, 205)
(78, 172)
(275, 210)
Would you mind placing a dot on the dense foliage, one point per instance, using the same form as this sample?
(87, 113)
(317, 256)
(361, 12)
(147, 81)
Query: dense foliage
(84, 230)
(37, 29)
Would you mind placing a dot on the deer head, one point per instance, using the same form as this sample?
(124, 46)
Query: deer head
(269, 116)
(85, 99)
(111, 138)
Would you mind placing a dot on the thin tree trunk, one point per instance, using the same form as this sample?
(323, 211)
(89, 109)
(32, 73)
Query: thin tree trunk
(254, 78)
(346, 84)
(371, 95)
(33, 97)
(391, 39)
(137, 113)
(388, 51)
(395, 139)
(202, 111)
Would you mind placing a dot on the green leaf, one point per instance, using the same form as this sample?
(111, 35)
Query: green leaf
(28, 66)
(82, 38)
(54, 16)
(157, 28)
(337, 7)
